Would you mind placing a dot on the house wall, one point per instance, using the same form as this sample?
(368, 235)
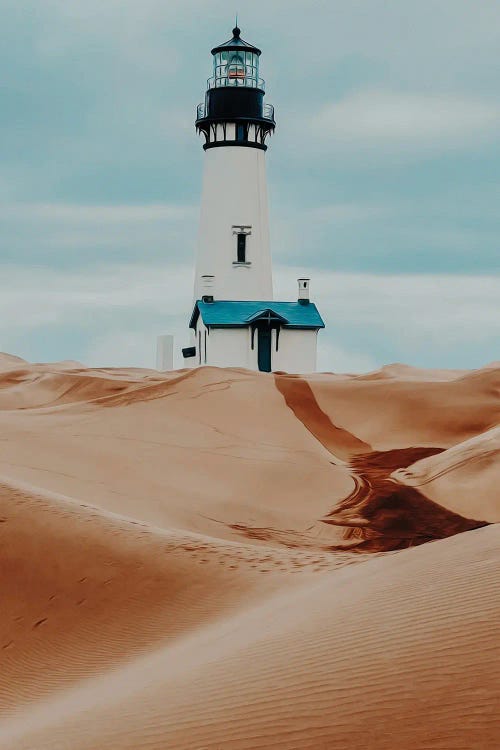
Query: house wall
(222, 347)
(296, 350)
(231, 347)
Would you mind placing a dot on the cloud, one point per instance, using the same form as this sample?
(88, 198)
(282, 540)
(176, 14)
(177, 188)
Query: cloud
(430, 320)
(78, 213)
(424, 304)
(348, 212)
(32, 297)
(427, 320)
(62, 234)
(395, 119)
(335, 358)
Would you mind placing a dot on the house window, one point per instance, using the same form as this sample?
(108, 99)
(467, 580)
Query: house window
(242, 248)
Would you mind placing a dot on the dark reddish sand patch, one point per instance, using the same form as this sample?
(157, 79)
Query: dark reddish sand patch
(381, 515)
(301, 400)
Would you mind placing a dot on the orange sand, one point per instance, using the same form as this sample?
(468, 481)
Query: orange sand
(226, 559)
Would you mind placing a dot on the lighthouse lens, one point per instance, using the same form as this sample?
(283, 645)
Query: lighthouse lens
(236, 70)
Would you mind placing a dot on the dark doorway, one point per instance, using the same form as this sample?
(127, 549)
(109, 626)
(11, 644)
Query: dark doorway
(264, 348)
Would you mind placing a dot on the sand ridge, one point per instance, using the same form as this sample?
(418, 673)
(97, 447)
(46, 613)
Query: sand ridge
(219, 559)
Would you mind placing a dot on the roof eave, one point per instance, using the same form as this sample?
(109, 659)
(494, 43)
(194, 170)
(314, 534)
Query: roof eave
(296, 327)
(194, 316)
(301, 327)
(233, 46)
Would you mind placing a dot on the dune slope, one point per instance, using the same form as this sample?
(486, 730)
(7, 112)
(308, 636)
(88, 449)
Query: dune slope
(323, 665)
(219, 559)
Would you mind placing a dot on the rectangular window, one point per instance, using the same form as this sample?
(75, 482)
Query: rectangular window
(242, 248)
(241, 134)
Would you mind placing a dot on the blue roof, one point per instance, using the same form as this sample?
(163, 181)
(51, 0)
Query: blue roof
(229, 313)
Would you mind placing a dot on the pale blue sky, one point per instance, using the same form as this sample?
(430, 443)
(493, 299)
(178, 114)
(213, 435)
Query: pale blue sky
(383, 173)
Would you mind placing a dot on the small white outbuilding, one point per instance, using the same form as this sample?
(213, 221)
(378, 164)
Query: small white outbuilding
(258, 335)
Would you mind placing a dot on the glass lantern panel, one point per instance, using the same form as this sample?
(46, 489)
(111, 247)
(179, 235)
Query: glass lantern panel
(236, 72)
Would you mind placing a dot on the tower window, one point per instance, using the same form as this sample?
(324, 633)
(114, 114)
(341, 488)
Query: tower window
(242, 248)
(241, 232)
(241, 133)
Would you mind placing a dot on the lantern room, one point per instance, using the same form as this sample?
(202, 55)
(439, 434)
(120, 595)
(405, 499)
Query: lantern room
(236, 63)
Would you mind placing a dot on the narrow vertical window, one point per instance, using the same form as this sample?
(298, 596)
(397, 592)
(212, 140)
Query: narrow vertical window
(242, 248)
(241, 231)
(241, 132)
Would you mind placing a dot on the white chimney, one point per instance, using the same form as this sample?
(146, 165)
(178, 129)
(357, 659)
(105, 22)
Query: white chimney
(207, 287)
(303, 291)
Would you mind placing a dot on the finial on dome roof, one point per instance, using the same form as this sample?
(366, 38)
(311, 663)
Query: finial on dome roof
(236, 30)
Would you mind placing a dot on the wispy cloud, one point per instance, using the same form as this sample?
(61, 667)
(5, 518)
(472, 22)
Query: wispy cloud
(370, 318)
(395, 119)
(33, 297)
(59, 234)
(77, 213)
(440, 306)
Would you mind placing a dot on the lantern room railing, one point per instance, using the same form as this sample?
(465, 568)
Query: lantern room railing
(267, 112)
(236, 78)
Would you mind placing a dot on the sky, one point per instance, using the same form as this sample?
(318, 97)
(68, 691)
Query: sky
(383, 173)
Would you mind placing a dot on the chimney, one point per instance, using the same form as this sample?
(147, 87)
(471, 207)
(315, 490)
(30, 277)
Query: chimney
(303, 291)
(207, 288)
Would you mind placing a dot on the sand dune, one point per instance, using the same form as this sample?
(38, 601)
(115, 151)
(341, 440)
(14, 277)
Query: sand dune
(408, 411)
(322, 665)
(464, 476)
(217, 558)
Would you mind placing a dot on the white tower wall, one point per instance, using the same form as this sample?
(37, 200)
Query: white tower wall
(234, 196)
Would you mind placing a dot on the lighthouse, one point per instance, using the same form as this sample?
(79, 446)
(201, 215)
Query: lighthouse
(235, 321)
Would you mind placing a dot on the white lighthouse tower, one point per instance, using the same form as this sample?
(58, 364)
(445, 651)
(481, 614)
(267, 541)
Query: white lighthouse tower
(235, 321)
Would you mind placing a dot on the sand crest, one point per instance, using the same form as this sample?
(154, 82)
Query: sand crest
(466, 474)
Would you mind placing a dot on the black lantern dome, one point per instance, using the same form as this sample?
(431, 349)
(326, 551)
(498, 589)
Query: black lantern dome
(234, 98)
(236, 43)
